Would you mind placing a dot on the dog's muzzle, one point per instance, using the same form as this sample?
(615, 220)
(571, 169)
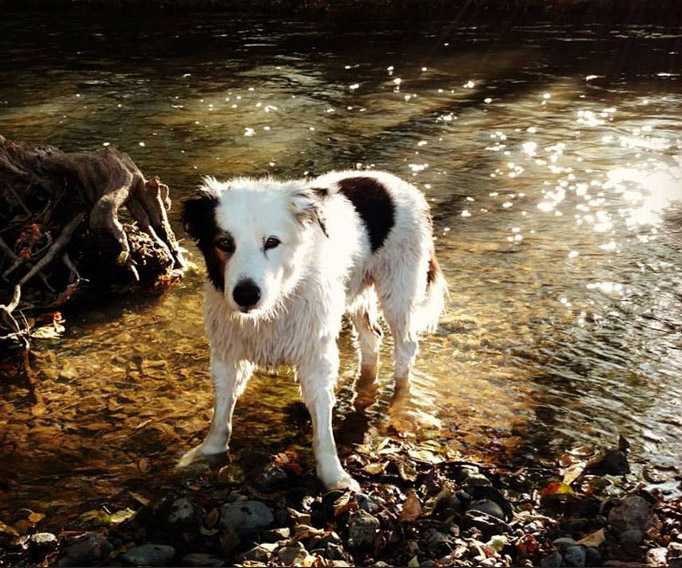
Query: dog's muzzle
(246, 294)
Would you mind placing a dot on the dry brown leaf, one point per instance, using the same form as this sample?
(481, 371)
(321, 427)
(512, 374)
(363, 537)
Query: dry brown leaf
(212, 518)
(594, 539)
(412, 508)
(143, 465)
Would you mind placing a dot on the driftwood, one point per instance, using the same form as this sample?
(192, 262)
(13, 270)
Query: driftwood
(76, 222)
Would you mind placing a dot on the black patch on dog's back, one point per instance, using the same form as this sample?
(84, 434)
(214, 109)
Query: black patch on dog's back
(374, 205)
(198, 219)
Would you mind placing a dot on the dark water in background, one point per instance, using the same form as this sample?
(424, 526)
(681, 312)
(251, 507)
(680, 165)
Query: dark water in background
(552, 160)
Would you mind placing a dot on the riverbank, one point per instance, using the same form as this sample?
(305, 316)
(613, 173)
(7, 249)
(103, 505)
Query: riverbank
(419, 507)
(664, 12)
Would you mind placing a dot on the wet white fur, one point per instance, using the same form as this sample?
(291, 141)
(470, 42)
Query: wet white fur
(308, 283)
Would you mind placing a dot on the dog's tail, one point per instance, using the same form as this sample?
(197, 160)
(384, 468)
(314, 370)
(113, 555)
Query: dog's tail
(431, 308)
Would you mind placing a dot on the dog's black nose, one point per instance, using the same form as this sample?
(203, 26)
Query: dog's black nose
(246, 294)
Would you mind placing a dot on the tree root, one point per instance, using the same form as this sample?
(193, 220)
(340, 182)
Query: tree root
(60, 220)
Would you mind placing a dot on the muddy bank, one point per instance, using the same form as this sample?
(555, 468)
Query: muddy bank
(419, 507)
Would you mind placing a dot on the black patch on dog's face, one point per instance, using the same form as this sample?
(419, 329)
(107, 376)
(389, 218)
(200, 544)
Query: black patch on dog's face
(374, 205)
(198, 218)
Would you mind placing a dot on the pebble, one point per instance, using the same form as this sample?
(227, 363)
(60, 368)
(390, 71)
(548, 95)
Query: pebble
(633, 512)
(246, 516)
(657, 557)
(43, 541)
(438, 543)
(366, 503)
(477, 480)
(88, 549)
(181, 511)
(563, 542)
(575, 556)
(199, 559)
(292, 555)
(362, 528)
(554, 560)
(272, 478)
(632, 536)
(487, 506)
(149, 555)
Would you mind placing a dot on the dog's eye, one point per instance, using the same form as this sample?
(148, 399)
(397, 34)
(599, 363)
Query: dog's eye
(271, 243)
(225, 244)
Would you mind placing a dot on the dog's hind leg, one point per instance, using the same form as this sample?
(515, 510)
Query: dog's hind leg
(365, 319)
(317, 378)
(229, 381)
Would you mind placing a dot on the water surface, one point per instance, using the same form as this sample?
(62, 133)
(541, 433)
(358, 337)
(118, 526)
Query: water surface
(551, 157)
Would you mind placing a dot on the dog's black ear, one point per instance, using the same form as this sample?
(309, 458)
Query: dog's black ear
(307, 205)
(198, 212)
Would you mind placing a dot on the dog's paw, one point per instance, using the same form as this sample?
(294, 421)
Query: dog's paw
(344, 482)
(199, 454)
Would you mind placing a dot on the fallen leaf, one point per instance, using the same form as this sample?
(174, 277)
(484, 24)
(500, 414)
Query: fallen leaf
(375, 468)
(414, 562)
(123, 515)
(412, 508)
(142, 500)
(344, 504)
(556, 489)
(143, 465)
(95, 517)
(212, 518)
(36, 517)
(594, 539)
(573, 472)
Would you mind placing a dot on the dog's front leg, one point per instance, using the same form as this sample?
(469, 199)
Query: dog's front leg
(317, 378)
(229, 381)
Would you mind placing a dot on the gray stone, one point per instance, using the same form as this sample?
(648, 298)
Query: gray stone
(563, 542)
(632, 536)
(593, 556)
(657, 557)
(633, 512)
(86, 550)
(476, 480)
(362, 528)
(554, 560)
(575, 556)
(181, 511)
(438, 543)
(292, 555)
(336, 552)
(274, 535)
(366, 503)
(199, 560)
(43, 541)
(246, 515)
(149, 555)
(487, 506)
(272, 478)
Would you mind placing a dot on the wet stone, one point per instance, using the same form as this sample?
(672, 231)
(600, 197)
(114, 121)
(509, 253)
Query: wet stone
(272, 478)
(563, 542)
(90, 549)
(43, 541)
(632, 536)
(476, 480)
(486, 524)
(366, 503)
(149, 555)
(199, 559)
(554, 560)
(274, 535)
(292, 555)
(487, 506)
(438, 543)
(246, 516)
(181, 511)
(657, 557)
(593, 557)
(362, 528)
(634, 512)
(575, 556)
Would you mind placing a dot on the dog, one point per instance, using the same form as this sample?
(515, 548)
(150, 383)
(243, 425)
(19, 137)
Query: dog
(285, 261)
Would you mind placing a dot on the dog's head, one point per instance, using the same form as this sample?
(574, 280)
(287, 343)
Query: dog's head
(255, 236)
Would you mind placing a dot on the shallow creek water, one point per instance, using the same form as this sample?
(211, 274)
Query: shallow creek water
(551, 158)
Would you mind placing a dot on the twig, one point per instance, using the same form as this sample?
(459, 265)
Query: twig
(8, 250)
(71, 266)
(59, 244)
(7, 310)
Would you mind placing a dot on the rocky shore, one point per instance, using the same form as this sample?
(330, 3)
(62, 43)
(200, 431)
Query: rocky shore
(417, 508)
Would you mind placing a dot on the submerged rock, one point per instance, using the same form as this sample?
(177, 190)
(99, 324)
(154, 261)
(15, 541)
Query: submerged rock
(632, 513)
(182, 511)
(89, 549)
(575, 556)
(149, 555)
(43, 542)
(200, 559)
(362, 528)
(246, 516)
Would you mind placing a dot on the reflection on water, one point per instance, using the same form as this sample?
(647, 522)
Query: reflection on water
(554, 173)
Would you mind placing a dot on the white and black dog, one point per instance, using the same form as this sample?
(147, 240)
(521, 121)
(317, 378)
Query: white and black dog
(285, 261)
